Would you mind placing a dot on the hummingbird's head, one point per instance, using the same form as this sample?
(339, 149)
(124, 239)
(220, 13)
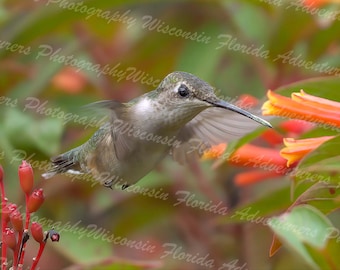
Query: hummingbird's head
(190, 95)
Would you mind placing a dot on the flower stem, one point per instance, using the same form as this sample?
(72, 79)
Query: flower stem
(37, 258)
(28, 214)
(17, 251)
(3, 222)
(21, 254)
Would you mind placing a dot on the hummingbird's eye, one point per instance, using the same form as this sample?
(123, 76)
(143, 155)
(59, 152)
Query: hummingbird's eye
(183, 90)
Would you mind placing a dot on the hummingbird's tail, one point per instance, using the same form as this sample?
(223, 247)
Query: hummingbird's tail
(67, 162)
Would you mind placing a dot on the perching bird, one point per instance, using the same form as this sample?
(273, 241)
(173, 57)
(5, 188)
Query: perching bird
(182, 117)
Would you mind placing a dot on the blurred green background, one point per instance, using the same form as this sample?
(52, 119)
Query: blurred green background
(51, 55)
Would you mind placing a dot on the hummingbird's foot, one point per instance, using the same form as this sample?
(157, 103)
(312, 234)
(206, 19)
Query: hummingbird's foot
(108, 184)
(125, 186)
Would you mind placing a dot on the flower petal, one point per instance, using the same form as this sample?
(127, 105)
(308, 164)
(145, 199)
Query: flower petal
(214, 152)
(318, 102)
(254, 156)
(254, 176)
(295, 150)
(317, 3)
(296, 127)
(310, 109)
(272, 137)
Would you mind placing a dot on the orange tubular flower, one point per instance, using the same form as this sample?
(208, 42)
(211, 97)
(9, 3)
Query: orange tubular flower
(247, 155)
(69, 80)
(296, 127)
(254, 156)
(303, 106)
(269, 163)
(266, 162)
(272, 137)
(318, 3)
(214, 152)
(295, 150)
(254, 176)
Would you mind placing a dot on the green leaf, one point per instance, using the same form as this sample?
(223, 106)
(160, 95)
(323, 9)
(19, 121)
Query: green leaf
(257, 211)
(328, 257)
(130, 265)
(199, 58)
(81, 245)
(46, 69)
(305, 230)
(43, 135)
(242, 14)
(283, 38)
(46, 134)
(47, 19)
(319, 132)
(325, 87)
(320, 41)
(323, 196)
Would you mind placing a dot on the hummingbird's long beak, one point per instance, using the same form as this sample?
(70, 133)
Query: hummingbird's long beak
(225, 105)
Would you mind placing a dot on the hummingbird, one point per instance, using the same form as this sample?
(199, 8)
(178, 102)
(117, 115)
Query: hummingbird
(182, 117)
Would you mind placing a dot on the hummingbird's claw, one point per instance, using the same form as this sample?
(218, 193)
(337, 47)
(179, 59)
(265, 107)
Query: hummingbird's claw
(108, 184)
(125, 186)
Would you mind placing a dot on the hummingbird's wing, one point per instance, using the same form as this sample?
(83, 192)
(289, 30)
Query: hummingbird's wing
(210, 127)
(107, 136)
(119, 127)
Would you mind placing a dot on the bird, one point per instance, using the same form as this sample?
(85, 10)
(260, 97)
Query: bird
(182, 117)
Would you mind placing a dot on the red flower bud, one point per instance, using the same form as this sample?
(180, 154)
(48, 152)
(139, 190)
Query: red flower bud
(35, 200)
(26, 177)
(54, 235)
(16, 220)
(9, 238)
(37, 232)
(8, 209)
